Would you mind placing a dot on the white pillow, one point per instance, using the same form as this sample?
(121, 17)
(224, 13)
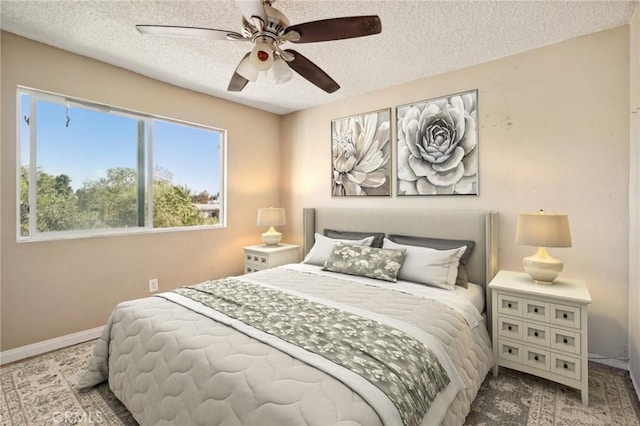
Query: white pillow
(321, 249)
(424, 265)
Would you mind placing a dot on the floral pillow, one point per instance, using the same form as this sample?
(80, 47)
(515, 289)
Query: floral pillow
(378, 263)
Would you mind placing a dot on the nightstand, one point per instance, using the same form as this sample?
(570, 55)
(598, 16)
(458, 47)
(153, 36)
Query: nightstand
(541, 329)
(259, 257)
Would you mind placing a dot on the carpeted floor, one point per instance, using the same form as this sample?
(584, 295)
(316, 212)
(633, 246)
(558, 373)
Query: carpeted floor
(515, 398)
(39, 391)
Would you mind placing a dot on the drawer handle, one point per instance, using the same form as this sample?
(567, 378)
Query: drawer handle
(535, 334)
(509, 305)
(565, 366)
(565, 340)
(565, 316)
(509, 328)
(535, 357)
(509, 350)
(535, 310)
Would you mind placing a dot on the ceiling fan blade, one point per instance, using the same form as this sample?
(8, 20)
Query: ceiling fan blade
(336, 28)
(238, 82)
(251, 8)
(190, 32)
(312, 72)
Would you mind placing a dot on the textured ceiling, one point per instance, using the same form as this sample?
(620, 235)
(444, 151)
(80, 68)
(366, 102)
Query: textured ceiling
(418, 39)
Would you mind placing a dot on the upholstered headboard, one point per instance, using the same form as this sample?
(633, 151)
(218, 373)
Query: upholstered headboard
(476, 225)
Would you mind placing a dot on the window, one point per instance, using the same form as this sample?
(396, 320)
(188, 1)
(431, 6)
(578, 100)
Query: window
(88, 169)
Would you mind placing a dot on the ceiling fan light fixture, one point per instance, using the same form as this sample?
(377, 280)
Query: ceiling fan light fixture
(267, 28)
(280, 71)
(262, 56)
(247, 70)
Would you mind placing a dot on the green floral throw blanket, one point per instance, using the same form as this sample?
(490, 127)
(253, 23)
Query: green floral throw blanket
(398, 364)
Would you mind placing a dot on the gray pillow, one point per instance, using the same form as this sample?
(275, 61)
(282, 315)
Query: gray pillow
(441, 244)
(378, 237)
(372, 262)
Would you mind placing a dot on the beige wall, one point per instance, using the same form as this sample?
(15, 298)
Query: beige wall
(553, 134)
(50, 289)
(634, 203)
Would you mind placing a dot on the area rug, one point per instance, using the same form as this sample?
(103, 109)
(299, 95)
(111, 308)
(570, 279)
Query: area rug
(39, 391)
(515, 398)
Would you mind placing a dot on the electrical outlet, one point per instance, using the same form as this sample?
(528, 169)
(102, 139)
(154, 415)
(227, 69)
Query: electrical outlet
(153, 285)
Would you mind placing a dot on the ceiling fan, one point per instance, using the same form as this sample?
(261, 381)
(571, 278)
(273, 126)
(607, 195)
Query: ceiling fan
(268, 29)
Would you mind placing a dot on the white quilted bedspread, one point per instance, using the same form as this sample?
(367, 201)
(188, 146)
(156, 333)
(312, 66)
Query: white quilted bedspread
(172, 366)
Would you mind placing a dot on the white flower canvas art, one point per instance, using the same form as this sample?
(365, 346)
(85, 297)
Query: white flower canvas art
(438, 146)
(361, 155)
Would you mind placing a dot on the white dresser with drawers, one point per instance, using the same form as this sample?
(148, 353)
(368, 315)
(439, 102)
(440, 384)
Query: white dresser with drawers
(259, 257)
(541, 329)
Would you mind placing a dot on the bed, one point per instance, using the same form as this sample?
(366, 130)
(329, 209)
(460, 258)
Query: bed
(308, 343)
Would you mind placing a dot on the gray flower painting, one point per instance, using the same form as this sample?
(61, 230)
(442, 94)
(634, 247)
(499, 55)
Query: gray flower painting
(361, 152)
(438, 146)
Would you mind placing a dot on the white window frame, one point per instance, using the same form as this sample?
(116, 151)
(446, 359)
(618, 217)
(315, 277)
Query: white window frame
(147, 119)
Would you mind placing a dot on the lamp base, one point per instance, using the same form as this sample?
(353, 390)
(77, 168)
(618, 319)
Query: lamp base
(541, 267)
(271, 237)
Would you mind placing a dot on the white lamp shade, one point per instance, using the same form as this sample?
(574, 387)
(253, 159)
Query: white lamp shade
(280, 71)
(261, 56)
(247, 70)
(543, 230)
(272, 216)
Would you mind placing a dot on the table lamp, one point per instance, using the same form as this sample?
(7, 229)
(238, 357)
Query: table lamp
(271, 216)
(543, 230)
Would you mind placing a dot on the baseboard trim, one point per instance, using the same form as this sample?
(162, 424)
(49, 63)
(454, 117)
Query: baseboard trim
(611, 362)
(39, 348)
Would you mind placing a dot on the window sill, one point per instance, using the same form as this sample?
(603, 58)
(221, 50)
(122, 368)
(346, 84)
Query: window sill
(77, 235)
